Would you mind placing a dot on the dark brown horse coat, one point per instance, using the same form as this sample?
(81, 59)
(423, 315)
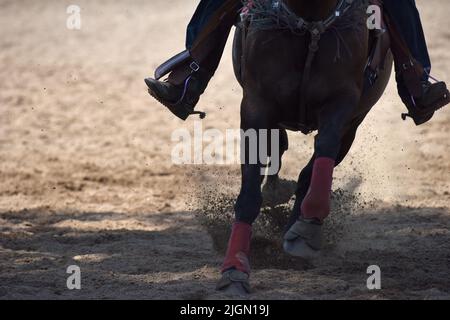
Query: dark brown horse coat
(270, 65)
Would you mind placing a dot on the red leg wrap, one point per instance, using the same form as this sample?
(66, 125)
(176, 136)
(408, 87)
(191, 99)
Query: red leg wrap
(317, 201)
(238, 248)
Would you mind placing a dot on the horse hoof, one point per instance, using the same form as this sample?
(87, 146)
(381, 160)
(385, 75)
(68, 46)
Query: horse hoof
(304, 239)
(234, 282)
(299, 248)
(235, 289)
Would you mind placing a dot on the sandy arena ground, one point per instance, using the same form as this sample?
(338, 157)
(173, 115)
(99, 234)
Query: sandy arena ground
(86, 176)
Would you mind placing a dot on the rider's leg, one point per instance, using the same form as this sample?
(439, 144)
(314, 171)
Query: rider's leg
(207, 34)
(407, 19)
(421, 97)
(200, 20)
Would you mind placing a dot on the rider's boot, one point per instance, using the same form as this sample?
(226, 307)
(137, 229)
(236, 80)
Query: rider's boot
(180, 99)
(421, 108)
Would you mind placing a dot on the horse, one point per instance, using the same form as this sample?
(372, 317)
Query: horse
(303, 66)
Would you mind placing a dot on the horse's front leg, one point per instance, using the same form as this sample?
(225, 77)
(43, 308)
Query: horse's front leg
(304, 237)
(236, 266)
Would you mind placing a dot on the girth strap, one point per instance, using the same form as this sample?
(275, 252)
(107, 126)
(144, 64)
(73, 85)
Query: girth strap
(312, 50)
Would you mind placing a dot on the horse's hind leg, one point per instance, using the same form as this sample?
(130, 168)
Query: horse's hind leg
(313, 193)
(283, 145)
(276, 191)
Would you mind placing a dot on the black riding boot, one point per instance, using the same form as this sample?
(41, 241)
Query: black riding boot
(180, 99)
(422, 108)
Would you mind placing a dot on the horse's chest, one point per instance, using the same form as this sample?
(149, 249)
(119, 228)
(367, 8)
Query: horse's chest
(276, 66)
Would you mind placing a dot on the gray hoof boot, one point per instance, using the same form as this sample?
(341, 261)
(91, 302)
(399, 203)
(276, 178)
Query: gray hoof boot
(234, 282)
(304, 239)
